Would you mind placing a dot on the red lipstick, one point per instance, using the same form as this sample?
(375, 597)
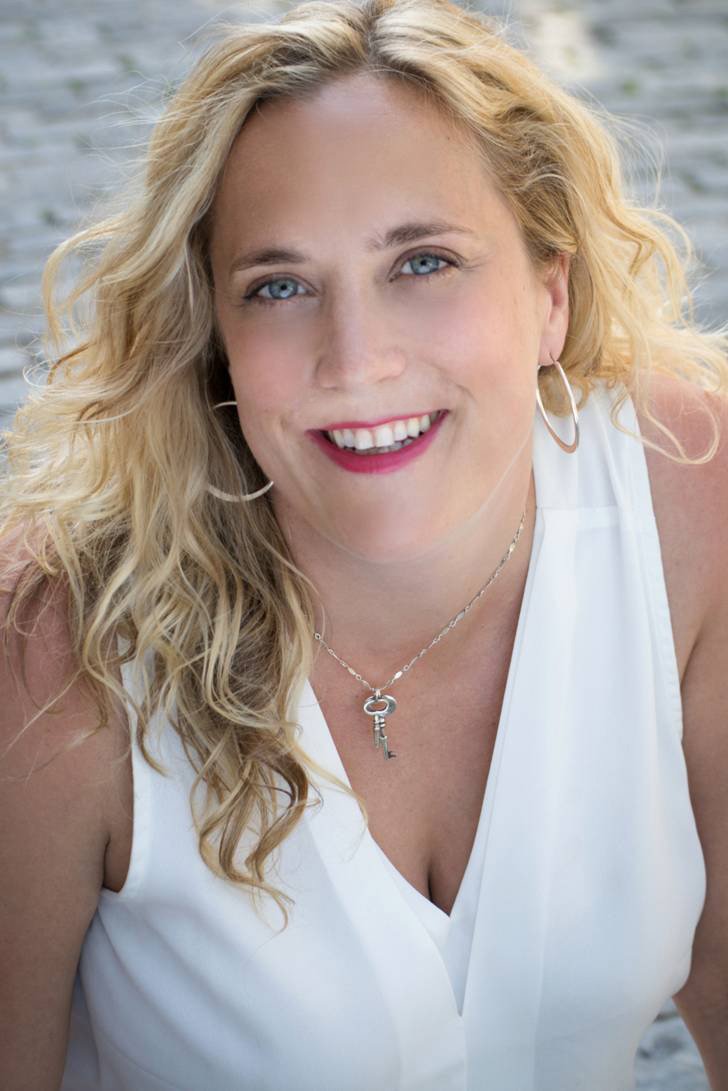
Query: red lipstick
(383, 463)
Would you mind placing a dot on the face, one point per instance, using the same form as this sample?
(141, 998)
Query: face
(358, 328)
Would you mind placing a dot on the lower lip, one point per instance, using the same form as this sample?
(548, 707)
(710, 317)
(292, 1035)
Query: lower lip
(378, 464)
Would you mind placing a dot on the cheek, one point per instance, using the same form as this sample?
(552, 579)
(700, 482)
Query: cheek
(267, 380)
(265, 369)
(479, 349)
(485, 320)
(261, 390)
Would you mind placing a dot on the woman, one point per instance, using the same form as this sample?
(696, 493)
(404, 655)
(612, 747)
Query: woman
(309, 520)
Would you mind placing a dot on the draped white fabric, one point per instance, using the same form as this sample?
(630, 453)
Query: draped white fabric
(576, 915)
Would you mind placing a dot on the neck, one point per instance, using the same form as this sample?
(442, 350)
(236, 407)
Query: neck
(377, 617)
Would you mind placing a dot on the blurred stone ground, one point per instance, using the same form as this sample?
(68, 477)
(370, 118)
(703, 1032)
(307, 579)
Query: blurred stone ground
(80, 82)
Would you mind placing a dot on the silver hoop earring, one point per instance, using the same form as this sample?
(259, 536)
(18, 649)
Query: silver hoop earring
(569, 447)
(241, 497)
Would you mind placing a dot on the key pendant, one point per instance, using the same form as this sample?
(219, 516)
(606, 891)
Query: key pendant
(387, 706)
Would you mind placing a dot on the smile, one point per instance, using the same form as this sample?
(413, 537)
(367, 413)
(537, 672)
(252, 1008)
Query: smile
(382, 448)
(390, 436)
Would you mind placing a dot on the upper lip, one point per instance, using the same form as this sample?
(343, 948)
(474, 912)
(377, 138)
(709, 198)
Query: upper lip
(374, 423)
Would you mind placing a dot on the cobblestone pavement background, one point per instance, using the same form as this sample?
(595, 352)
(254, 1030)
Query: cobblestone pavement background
(80, 81)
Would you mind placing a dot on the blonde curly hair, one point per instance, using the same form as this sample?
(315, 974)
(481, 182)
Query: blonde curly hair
(108, 464)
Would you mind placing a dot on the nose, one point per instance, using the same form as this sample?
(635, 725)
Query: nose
(359, 346)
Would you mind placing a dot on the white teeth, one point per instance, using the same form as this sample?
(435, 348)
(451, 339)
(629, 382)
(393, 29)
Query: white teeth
(384, 435)
(363, 439)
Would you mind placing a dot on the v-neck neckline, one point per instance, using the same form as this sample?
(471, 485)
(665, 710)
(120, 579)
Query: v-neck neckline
(332, 758)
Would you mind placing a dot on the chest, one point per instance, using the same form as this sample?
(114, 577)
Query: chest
(424, 806)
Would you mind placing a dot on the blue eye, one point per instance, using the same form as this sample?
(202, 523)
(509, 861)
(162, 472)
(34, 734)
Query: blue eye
(254, 296)
(437, 257)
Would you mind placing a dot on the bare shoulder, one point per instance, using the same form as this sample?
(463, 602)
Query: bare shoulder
(55, 788)
(37, 666)
(693, 503)
(690, 502)
(49, 761)
(691, 510)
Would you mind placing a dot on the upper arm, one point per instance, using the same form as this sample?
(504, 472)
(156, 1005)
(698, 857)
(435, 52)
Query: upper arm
(703, 1001)
(53, 837)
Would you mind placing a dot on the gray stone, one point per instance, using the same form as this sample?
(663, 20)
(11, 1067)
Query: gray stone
(13, 390)
(12, 362)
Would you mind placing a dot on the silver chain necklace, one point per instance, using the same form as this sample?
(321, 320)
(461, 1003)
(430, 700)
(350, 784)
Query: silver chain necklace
(387, 704)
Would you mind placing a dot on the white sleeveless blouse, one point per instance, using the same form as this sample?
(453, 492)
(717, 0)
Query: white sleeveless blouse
(576, 915)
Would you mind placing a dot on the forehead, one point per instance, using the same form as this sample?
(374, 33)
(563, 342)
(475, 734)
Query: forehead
(344, 150)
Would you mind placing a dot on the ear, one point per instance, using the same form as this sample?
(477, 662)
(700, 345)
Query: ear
(555, 281)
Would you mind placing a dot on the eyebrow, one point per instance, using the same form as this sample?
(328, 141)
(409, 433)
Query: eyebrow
(411, 231)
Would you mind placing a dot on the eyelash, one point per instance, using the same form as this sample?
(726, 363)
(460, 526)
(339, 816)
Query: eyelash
(252, 296)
